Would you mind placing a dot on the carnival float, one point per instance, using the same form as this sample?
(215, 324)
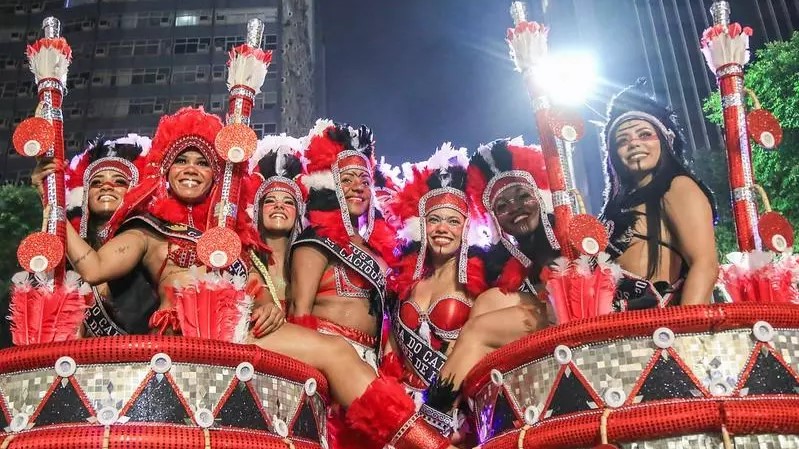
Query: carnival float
(721, 375)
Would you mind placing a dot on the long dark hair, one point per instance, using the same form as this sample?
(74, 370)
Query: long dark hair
(621, 192)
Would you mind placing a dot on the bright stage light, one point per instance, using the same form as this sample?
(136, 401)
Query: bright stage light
(568, 78)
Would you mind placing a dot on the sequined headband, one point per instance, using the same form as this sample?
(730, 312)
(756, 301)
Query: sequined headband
(122, 166)
(639, 115)
(441, 198)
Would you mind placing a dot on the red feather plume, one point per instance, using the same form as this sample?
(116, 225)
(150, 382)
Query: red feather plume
(512, 276)
(475, 279)
(213, 309)
(41, 316)
(322, 152)
(405, 203)
(476, 183)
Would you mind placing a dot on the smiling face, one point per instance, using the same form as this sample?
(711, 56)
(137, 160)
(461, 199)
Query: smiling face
(279, 212)
(190, 177)
(444, 231)
(517, 210)
(357, 187)
(106, 190)
(638, 147)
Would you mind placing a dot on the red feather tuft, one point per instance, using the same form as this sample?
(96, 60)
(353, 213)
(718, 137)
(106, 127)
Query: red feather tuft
(328, 224)
(530, 159)
(381, 410)
(475, 279)
(172, 210)
(391, 366)
(185, 122)
(401, 280)
(322, 152)
(73, 177)
(209, 310)
(383, 240)
(476, 183)
(341, 436)
(41, 316)
(405, 203)
(512, 276)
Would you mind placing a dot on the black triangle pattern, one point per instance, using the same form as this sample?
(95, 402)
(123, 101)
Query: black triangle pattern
(503, 415)
(64, 405)
(158, 402)
(305, 425)
(241, 410)
(570, 396)
(769, 376)
(666, 380)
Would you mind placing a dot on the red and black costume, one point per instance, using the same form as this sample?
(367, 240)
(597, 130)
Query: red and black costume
(495, 167)
(151, 205)
(333, 148)
(131, 299)
(423, 336)
(622, 196)
(275, 166)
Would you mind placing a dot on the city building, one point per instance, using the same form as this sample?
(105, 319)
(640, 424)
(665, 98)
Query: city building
(135, 60)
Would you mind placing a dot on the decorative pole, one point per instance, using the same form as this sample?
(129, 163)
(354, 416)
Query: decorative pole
(43, 135)
(236, 143)
(725, 46)
(48, 306)
(528, 48)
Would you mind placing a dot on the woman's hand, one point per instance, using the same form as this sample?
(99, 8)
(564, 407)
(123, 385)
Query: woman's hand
(266, 318)
(45, 166)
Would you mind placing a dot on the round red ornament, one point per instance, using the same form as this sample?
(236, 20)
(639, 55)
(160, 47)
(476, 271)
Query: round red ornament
(764, 128)
(567, 125)
(587, 234)
(775, 232)
(219, 247)
(40, 252)
(236, 142)
(33, 137)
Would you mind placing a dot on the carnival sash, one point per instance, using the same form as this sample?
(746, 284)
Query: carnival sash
(425, 361)
(98, 321)
(365, 265)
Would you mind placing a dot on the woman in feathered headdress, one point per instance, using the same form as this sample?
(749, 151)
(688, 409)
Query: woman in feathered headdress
(659, 213)
(277, 209)
(434, 280)
(339, 261)
(97, 180)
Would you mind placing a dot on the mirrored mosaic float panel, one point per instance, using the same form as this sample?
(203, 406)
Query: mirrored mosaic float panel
(646, 379)
(170, 392)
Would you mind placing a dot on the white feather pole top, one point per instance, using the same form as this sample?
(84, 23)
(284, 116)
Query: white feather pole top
(50, 58)
(528, 44)
(247, 66)
(726, 45)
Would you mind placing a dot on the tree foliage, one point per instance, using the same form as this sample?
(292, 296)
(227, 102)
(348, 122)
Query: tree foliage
(20, 214)
(774, 77)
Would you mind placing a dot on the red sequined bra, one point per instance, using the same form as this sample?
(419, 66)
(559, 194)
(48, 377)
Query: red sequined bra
(445, 316)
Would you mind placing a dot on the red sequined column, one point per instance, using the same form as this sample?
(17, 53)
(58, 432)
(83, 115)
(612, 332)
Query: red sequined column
(51, 95)
(739, 154)
(240, 107)
(557, 183)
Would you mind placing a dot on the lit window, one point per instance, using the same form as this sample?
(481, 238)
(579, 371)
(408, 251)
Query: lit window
(188, 20)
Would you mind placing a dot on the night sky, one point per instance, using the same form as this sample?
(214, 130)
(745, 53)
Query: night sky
(422, 72)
